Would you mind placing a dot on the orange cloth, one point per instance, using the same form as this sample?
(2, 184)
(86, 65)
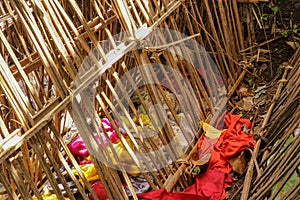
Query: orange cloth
(230, 143)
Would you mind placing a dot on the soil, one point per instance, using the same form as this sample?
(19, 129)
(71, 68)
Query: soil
(281, 20)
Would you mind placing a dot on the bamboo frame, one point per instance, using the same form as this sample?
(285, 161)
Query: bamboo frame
(39, 64)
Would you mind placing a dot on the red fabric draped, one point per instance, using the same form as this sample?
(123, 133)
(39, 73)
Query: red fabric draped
(212, 183)
(230, 143)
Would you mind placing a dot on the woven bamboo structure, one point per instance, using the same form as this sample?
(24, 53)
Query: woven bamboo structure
(43, 45)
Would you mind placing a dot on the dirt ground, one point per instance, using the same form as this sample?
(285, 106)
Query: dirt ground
(280, 21)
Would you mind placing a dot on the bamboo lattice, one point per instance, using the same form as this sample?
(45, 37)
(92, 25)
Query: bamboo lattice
(43, 45)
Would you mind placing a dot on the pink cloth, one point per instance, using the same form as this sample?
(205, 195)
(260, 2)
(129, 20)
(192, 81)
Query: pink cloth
(78, 148)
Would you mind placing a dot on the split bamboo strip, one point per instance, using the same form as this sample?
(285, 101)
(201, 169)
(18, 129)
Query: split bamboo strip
(19, 67)
(8, 186)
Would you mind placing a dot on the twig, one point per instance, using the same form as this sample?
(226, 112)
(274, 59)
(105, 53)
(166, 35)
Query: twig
(172, 43)
(261, 44)
(255, 15)
(255, 162)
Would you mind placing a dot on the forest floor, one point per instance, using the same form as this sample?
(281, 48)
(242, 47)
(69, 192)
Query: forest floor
(278, 37)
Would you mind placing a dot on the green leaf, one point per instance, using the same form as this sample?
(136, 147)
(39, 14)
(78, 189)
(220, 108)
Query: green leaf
(135, 97)
(142, 109)
(275, 9)
(144, 96)
(196, 170)
(295, 28)
(265, 16)
(285, 33)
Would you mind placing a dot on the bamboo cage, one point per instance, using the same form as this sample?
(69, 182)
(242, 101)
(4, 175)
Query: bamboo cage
(44, 49)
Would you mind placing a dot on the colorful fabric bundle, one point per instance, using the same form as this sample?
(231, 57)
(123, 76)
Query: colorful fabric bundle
(78, 148)
(113, 137)
(89, 171)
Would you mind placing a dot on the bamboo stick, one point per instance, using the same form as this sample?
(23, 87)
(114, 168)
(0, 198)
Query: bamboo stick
(22, 39)
(18, 163)
(19, 67)
(64, 40)
(33, 31)
(7, 185)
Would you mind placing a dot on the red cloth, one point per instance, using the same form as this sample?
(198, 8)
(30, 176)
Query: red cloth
(208, 186)
(230, 143)
(99, 190)
(211, 184)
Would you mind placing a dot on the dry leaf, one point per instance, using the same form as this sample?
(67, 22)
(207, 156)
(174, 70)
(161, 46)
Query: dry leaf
(260, 91)
(246, 103)
(243, 92)
(210, 131)
(238, 163)
(263, 67)
(294, 45)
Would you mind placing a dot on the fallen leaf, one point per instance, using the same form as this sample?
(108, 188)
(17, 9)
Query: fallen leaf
(263, 67)
(238, 163)
(246, 103)
(294, 45)
(243, 92)
(259, 91)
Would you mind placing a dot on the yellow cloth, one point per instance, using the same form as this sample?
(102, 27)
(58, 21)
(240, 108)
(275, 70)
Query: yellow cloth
(89, 171)
(124, 157)
(144, 118)
(48, 196)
